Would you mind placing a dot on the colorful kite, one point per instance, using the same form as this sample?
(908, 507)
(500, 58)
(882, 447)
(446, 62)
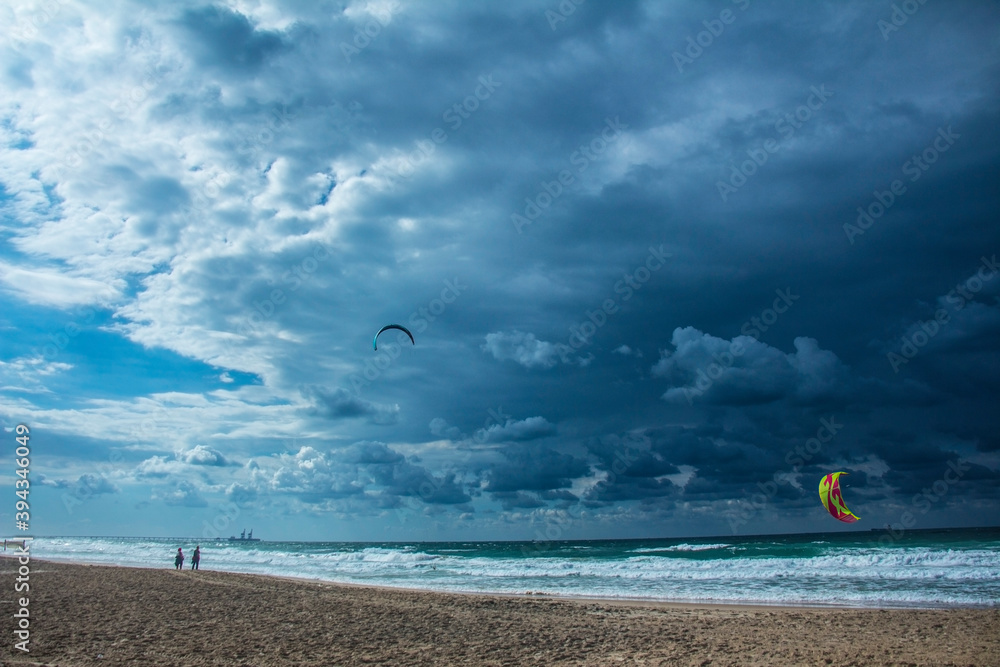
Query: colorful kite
(392, 326)
(829, 493)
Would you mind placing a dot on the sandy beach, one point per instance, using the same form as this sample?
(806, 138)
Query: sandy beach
(90, 615)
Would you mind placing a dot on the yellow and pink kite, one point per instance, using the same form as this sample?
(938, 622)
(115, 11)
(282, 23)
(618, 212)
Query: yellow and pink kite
(829, 493)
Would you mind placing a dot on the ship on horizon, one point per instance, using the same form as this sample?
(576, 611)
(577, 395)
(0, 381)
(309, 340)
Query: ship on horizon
(244, 537)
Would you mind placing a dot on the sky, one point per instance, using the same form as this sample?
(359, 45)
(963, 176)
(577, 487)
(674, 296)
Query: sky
(666, 264)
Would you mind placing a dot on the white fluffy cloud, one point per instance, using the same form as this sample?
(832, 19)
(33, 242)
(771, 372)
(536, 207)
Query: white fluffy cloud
(203, 456)
(50, 287)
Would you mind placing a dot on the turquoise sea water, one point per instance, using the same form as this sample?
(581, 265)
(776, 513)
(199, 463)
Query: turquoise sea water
(916, 568)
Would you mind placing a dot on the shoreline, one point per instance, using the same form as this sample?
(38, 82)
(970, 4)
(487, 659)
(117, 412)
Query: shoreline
(118, 615)
(542, 595)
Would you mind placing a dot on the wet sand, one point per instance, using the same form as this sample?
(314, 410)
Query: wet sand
(97, 615)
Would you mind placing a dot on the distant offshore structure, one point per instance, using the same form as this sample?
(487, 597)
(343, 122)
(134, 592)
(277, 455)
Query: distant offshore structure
(244, 537)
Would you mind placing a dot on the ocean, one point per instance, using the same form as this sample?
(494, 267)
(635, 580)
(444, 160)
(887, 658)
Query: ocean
(915, 568)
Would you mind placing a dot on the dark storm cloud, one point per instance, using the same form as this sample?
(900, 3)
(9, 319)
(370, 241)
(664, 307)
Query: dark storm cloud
(710, 463)
(529, 469)
(531, 428)
(225, 38)
(368, 453)
(744, 371)
(511, 500)
(409, 480)
(340, 404)
(631, 470)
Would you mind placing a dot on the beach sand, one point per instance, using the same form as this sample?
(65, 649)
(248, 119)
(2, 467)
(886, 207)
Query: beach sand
(96, 615)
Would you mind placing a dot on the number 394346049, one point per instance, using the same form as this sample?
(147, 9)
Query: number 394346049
(23, 463)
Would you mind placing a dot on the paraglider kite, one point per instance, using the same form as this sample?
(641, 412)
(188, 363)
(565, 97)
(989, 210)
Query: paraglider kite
(829, 493)
(392, 326)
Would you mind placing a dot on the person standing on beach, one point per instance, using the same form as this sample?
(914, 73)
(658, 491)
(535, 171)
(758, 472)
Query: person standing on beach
(196, 557)
(179, 559)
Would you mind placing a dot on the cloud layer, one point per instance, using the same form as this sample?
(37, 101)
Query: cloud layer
(646, 260)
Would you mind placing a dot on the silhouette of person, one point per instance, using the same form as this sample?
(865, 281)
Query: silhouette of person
(196, 557)
(179, 559)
